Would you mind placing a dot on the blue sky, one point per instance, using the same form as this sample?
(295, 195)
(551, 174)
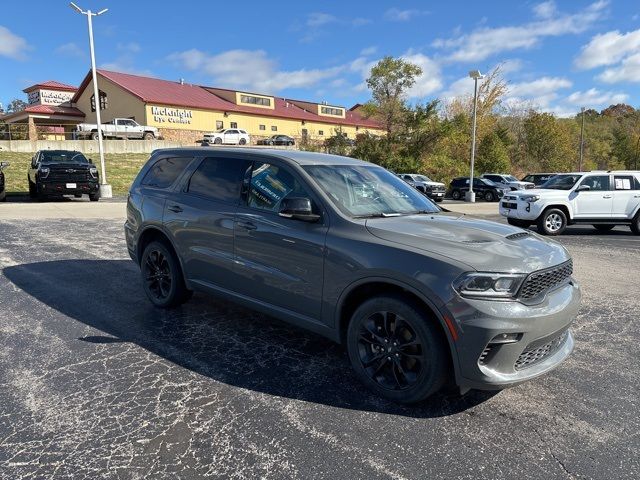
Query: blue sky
(555, 55)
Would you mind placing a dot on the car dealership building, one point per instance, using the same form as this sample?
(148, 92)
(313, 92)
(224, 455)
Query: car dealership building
(184, 112)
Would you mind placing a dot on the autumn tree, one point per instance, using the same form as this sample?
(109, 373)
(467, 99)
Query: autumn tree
(492, 154)
(389, 81)
(548, 144)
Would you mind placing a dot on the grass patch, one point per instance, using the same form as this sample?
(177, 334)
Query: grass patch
(122, 168)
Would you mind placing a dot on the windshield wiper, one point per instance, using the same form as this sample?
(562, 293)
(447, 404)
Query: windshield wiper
(379, 215)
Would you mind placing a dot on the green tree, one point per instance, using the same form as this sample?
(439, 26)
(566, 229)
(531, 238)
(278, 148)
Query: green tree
(548, 144)
(16, 105)
(389, 81)
(492, 155)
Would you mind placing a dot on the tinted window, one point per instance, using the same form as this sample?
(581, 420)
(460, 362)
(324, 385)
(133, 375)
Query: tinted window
(164, 172)
(270, 184)
(62, 156)
(626, 182)
(597, 183)
(494, 178)
(218, 178)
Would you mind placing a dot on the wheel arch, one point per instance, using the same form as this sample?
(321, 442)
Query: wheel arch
(152, 233)
(365, 288)
(560, 206)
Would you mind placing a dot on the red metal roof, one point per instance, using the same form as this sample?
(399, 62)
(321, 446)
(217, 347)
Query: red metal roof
(164, 92)
(51, 85)
(54, 110)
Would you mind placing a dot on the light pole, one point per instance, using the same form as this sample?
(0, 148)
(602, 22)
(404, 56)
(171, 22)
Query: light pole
(470, 196)
(105, 188)
(581, 141)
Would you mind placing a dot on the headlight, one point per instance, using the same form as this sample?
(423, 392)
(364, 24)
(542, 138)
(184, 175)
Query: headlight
(94, 172)
(44, 172)
(531, 198)
(488, 285)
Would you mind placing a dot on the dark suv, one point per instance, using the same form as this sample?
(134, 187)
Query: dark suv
(62, 172)
(346, 249)
(483, 188)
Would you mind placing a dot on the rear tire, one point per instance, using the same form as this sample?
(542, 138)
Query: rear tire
(635, 224)
(217, 141)
(456, 195)
(94, 136)
(552, 222)
(242, 141)
(162, 277)
(396, 349)
(603, 228)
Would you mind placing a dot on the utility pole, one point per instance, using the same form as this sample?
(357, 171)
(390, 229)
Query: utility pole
(476, 75)
(105, 188)
(581, 141)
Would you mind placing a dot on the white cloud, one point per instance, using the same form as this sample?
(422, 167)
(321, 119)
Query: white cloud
(484, 42)
(317, 19)
(12, 45)
(607, 49)
(368, 51)
(251, 69)
(545, 9)
(360, 21)
(131, 47)
(71, 50)
(595, 97)
(627, 71)
(429, 81)
(397, 15)
(543, 86)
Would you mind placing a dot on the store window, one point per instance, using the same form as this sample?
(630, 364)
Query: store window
(263, 127)
(250, 99)
(234, 124)
(219, 124)
(274, 128)
(103, 101)
(332, 111)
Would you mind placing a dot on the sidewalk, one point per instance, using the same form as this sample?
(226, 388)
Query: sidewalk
(116, 209)
(77, 209)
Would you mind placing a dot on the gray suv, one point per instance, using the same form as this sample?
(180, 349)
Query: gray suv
(344, 248)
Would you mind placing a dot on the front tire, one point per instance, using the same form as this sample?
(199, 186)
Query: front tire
(456, 195)
(489, 196)
(162, 276)
(242, 141)
(552, 222)
(33, 190)
(94, 197)
(396, 349)
(148, 136)
(217, 141)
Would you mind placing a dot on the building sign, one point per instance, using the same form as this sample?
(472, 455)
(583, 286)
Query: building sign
(171, 115)
(49, 97)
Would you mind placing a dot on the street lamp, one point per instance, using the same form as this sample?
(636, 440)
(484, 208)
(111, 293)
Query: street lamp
(470, 196)
(105, 188)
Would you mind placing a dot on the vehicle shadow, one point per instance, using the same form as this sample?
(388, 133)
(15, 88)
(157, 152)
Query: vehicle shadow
(213, 337)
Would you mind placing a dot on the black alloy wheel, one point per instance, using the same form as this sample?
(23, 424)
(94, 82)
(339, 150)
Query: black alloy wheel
(456, 195)
(395, 350)
(162, 276)
(489, 196)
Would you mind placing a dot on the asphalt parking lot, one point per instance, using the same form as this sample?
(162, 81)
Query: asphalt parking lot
(95, 383)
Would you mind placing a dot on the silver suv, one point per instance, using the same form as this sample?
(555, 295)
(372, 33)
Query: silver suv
(348, 250)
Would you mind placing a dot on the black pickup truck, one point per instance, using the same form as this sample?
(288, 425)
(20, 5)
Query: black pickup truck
(62, 172)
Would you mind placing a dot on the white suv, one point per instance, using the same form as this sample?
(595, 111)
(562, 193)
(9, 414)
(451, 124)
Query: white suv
(508, 181)
(228, 136)
(601, 199)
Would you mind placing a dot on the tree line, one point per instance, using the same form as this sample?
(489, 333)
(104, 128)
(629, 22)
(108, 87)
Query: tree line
(434, 138)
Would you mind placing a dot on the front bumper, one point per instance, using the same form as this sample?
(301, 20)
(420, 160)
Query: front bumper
(539, 335)
(68, 188)
(435, 195)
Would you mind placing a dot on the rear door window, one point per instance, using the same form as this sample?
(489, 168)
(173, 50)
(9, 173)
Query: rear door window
(219, 179)
(626, 182)
(165, 171)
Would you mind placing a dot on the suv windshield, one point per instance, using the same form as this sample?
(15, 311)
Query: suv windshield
(363, 191)
(58, 156)
(561, 182)
(423, 178)
(510, 178)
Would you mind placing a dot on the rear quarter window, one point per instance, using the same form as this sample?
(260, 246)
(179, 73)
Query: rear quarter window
(165, 171)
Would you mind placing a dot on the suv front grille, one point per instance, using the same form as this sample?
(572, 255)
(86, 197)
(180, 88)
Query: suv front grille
(540, 282)
(533, 355)
(78, 175)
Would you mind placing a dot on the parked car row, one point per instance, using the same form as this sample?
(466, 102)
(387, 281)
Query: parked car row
(422, 183)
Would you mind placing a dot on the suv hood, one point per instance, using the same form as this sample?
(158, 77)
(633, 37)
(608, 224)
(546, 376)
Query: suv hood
(431, 184)
(483, 245)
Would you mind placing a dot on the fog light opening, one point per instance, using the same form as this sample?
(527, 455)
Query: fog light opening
(502, 338)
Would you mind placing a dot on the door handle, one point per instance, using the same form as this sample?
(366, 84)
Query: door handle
(608, 195)
(247, 225)
(175, 208)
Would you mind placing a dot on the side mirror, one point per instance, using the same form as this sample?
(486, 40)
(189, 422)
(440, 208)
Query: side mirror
(298, 208)
(583, 188)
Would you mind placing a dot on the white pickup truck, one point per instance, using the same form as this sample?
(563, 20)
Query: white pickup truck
(117, 128)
